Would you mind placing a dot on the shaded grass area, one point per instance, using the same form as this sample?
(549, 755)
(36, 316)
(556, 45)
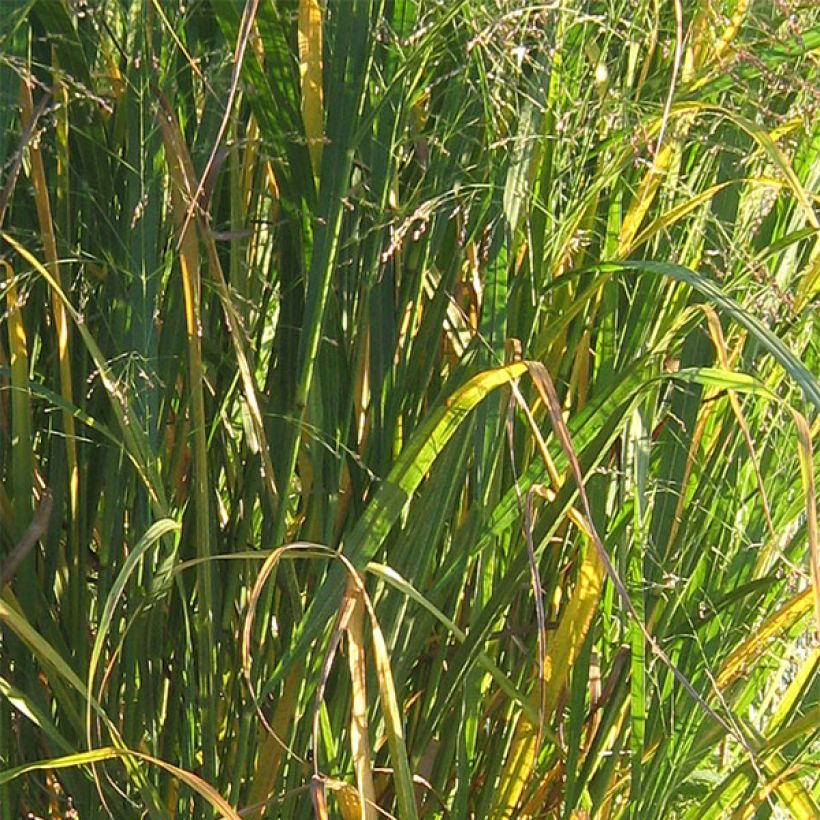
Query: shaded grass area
(408, 409)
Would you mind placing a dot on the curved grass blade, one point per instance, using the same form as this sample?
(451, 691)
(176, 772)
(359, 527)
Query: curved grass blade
(48, 657)
(390, 707)
(807, 381)
(390, 576)
(743, 383)
(26, 706)
(394, 493)
(40, 391)
(197, 784)
(546, 389)
(157, 531)
(134, 438)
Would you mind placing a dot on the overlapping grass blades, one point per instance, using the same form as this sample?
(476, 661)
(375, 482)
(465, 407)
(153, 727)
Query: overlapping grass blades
(275, 279)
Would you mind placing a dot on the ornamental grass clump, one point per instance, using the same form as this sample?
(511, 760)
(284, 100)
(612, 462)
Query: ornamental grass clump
(408, 409)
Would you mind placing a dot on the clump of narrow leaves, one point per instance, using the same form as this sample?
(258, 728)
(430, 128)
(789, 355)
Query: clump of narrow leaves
(408, 409)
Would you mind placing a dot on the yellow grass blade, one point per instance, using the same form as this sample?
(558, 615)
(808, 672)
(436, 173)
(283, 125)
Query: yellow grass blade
(185, 179)
(359, 740)
(677, 213)
(350, 802)
(61, 325)
(562, 653)
(310, 73)
(393, 722)
(754, 646)
(724, 41)
(809, 282)
(784, 780)
(716, 333)
(21, 442)
(782, 783)
(786, 708)
(643, 199)
(546, 389)
(807, 473)
(189, 260)
(766, 142)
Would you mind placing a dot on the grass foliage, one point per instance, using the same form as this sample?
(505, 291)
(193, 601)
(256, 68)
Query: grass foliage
(406, 408)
